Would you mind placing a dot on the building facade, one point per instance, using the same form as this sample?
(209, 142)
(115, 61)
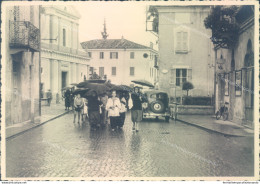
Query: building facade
(235, 71)
(21, 64)
(63, 61)
(185, 50)
(122, 61)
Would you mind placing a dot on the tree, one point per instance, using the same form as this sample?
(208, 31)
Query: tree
(187, 86)
(222, 23)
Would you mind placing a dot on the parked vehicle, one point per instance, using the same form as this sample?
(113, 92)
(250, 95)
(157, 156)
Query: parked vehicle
(223, 111)
(156, 104)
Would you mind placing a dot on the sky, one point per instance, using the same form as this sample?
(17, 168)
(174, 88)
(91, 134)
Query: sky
(122, 19)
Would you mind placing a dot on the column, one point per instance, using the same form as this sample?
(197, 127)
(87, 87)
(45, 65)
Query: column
(51, 27)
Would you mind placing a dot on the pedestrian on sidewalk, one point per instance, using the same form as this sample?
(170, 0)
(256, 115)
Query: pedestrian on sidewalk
(113, 107)
(67, 99)
(94, 110)
(49, 97)
(135, 104)
(122, 110)
(78, 106)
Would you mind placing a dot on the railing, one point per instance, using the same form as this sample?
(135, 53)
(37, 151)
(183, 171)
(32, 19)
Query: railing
(23, 34)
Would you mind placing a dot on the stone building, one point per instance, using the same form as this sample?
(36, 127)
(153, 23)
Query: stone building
(63, 61)
(235, 71)
(185, 50)
(122, 60)
(20, 61)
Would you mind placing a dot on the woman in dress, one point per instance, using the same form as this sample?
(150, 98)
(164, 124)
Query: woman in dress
(113, 107)
(94, 110)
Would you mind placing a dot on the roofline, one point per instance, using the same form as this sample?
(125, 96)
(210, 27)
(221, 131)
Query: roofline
(150, 49)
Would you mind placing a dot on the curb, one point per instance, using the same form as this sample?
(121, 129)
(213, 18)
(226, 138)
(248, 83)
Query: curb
(38, 125)
(210, 130)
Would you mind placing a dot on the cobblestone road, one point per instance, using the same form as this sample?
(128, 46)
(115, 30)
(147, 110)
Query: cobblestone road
(159, 149)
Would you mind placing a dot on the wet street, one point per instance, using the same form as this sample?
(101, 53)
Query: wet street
(62, 149)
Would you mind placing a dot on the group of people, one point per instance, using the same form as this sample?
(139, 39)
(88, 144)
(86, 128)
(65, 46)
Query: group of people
(101, 109)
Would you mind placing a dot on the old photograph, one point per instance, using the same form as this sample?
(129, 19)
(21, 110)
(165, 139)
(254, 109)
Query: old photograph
(128, 90)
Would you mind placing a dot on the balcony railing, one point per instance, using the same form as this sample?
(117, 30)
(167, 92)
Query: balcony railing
(23, 34)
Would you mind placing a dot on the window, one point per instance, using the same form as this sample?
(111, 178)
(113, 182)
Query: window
(113, 55)
(181, 42)
(91, 70)
(89, 54)
(64, 37)
(113, 70)
(101, 55)
(132, 71)
(101, 71)
(181, 76)
(132, 55)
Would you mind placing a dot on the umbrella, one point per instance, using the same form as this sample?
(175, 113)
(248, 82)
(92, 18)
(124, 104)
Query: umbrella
(80, 91)
(65, 88)
(122, 88)
(143, 83)
(110, 85)
(99, 88)
(96, 81)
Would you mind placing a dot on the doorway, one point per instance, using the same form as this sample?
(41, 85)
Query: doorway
(64, 79)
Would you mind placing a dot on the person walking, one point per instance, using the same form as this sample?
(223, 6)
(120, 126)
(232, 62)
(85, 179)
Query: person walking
(49, 97)
(103, 99)
(94, 110)
(78, 106)
(113, 107)
(135, 104)
(122, 111)
(67, 99)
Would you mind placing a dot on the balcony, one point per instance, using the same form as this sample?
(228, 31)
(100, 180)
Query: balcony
(24, 34)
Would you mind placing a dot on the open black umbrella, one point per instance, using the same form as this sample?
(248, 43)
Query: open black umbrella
(96, 81)
(122, 88)
(80, 91)
(143, 83)
(99, 88)
(65, 88)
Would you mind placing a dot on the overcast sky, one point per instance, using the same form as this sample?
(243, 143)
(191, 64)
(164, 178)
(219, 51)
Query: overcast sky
(122, 19)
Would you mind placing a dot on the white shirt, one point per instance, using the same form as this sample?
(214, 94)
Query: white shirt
(113, 106)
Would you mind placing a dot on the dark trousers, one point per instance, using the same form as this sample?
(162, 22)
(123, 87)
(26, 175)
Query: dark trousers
(114, 121)
(121, 119)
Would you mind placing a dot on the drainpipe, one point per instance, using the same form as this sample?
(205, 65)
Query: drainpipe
(215, 49)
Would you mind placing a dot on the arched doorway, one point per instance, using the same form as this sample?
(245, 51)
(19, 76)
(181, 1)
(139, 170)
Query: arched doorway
(249, 84)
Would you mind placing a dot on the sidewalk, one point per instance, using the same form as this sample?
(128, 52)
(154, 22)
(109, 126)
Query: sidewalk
(48, 113)
(210, 123)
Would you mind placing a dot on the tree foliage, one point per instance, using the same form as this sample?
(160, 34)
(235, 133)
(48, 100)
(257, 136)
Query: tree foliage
(224, 28)
(187, 86)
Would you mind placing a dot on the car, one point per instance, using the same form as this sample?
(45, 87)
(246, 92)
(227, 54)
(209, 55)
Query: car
(156, 104)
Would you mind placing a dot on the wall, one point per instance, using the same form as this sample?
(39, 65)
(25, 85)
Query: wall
(123, 63)
(200, 54)
(192, 110)
(237, 103)
(22, 89)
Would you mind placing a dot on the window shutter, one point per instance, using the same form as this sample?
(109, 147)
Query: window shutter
(178, 41)
(189, 75)
(110, 55)
(116, 55)
(173, 76)
(185, 41)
